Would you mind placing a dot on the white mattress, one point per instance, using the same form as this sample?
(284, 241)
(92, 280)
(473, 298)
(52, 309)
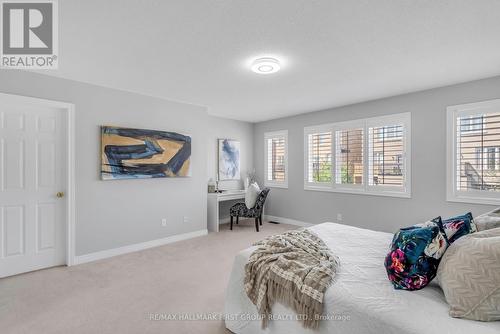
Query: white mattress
(361, 293)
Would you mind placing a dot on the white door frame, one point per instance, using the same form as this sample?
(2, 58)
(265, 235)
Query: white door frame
(70, 216)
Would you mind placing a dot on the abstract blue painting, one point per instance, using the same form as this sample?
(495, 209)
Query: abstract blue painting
(229, 159)
(138, 154)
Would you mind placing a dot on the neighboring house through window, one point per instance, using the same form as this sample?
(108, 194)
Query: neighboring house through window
(473, 162)
(276, 159)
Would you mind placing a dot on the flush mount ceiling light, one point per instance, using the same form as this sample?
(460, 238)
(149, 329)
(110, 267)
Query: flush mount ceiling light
(266, 65)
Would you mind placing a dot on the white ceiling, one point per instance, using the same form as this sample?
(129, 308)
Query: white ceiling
(333, 52)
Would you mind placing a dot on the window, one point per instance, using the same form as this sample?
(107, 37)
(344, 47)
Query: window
(318, 156)
(368, 156)
(471, 124)
(388, 132)
(386, 149)
(488, 158)
(474, 153)
(349, 156)
(276, 162)
(479, 157)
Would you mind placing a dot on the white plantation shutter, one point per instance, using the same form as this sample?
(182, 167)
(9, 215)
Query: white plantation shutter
(386, 155)
(349, 156)
(319, 157)
(477, 166)
(276, 158)
(364, 156)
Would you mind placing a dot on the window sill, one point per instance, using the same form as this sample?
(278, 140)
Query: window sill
(384, 193)
(317, 187)
(276, 185)
(473, 200)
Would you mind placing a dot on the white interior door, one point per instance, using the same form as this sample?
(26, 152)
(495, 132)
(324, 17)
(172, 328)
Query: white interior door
(32, 173)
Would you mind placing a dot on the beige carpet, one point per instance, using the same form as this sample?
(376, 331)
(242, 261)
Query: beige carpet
(117, 295)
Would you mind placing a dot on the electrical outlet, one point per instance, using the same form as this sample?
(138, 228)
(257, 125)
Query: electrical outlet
(339, 217)
(185, 219)
(164, 222)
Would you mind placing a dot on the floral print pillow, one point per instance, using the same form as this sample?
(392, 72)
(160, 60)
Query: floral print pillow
(415, 254)
(459, 226)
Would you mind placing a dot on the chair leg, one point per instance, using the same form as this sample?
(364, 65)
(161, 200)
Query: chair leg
(231, 227)
(260, 220)
(257, 224)
(237, 219)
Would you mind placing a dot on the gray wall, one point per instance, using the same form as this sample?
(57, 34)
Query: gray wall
(111, 214)
(428, 109)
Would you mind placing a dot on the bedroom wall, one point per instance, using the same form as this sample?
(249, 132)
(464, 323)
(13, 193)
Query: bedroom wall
(428, 109)
(111, 214)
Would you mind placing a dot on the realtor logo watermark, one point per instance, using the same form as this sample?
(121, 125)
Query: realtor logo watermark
(29, 34)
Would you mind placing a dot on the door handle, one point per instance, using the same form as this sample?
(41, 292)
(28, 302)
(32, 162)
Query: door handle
(60, 194)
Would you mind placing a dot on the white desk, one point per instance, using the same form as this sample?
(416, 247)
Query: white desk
(213, 219)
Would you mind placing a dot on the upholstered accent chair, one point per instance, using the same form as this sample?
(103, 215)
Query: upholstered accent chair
(240, 210)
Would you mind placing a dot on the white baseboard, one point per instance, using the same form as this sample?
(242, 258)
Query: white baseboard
(136, 247)
(283, 220)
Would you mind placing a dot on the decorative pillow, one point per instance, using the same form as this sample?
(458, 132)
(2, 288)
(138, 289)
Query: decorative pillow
(251, 195)
(469, 275)
(456, 227)
(415, 254)
(488, 220)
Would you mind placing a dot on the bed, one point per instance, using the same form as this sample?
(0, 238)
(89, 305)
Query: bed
(361, 299)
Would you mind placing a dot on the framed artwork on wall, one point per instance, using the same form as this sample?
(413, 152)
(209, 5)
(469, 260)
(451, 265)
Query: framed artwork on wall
(229, 159)
(140, 154)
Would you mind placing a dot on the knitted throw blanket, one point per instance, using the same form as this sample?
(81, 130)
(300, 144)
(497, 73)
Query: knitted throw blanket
(294, 268)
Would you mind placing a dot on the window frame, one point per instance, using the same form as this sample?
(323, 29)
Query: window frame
(452, 193)
(345, 126)
(403, 119)
(364, 189)
(311, 130)
(272, 135)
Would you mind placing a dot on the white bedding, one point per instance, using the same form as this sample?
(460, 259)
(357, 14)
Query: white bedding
(361, 295)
